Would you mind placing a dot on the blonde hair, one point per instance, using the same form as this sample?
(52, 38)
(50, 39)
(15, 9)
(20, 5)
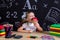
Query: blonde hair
(28, 13)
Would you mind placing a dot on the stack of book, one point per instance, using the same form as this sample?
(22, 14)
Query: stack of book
(55, 30)
(2, 30)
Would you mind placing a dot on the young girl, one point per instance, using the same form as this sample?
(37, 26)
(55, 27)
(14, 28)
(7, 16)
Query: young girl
(31, 23)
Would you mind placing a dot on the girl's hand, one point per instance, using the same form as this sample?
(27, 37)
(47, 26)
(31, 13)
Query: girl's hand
(35, 21)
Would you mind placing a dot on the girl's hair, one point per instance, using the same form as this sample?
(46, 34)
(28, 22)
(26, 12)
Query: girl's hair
(28, 12)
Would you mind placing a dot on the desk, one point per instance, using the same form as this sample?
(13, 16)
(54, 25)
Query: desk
(27, 34)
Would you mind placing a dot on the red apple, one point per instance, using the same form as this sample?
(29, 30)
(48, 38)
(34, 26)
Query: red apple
(34, 19)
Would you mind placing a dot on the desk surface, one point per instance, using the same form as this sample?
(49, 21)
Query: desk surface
(27, 34)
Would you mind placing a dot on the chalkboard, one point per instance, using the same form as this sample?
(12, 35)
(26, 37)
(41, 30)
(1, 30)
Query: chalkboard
(53, 15)
(12, 11)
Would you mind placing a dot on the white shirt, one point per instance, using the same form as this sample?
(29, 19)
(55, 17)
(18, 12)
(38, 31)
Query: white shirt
(29, 26)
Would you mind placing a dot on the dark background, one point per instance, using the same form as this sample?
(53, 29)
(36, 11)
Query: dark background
(47, 11)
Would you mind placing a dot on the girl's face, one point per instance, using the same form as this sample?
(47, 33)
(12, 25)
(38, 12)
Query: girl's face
(30, 16)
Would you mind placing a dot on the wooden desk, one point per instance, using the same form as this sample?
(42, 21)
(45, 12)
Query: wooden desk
(27, 34)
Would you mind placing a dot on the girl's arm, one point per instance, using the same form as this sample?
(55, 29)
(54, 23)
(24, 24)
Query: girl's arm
(38, 26)
(21, 30)
(35, 21)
